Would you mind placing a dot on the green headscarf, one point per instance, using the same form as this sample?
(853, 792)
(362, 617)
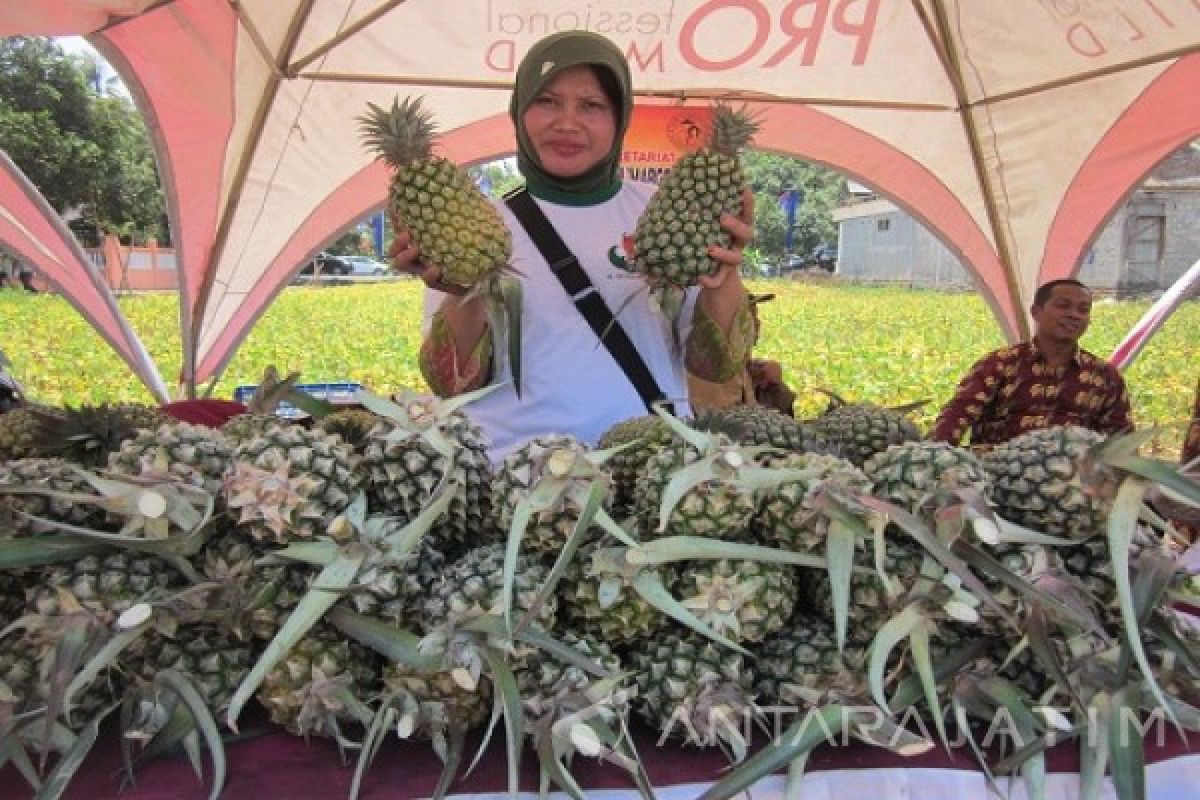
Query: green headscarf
(545, 60)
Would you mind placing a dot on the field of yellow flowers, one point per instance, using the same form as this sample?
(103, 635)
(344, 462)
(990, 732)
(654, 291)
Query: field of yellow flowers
(880, 345)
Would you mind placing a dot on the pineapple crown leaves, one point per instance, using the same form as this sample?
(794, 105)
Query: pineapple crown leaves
(38, 551)
(121, 497)
(968, 507)
(273, 498)
(949, 557)
(591, 510)
(271, 391)
(421, 415)
(153, 503)
(726, 463)
(508, 705)
(801, 738)
(1108, 462)
(333, 580)
(401, 134)
(1138, 598)
(154, 719)
(353, 533)
(985, 696)
(732, 128)
(1063, 606)
(167, 519)
(595, 725)
(719, 460)
(504, 298)
(911, 624)
(324, 699)
(489, 632)
(848, 524)
(618, 574)
(109, 651)
(76, 641)
(86, 434)
(1162, 625)
(567, 473)
(718, 604)
(715, 713)
(580, 722)
(394, 644)
(836, 401)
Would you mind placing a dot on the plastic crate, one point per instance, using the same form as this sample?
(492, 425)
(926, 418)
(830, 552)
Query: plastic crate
(338, 394)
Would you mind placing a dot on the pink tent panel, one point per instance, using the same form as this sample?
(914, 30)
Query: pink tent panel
(480, 141)
(1153, 127)
(181, 67)
(37, 235)
(67, 17)
(822, 138)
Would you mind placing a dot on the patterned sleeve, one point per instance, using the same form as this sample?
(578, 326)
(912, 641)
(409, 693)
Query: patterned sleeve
(439, 362)
(973, 395)
(1115, 415)
(711, 355)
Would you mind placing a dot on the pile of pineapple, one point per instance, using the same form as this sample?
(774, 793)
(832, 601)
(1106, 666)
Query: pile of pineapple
(373, 574)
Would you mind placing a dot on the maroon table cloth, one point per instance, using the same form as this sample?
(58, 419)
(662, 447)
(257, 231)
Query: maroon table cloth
(279, 766)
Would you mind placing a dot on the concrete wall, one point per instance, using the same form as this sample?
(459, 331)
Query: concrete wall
(1113, 261)
(1147, 245)
(136, 268)
(887, 245)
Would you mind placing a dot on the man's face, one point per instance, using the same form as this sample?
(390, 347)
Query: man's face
(1065, 315)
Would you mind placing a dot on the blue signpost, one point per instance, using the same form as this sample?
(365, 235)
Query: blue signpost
(789, 200)
(377, 234)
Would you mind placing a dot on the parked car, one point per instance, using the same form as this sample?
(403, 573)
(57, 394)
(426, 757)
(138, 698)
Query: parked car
(328, 265)
(365, 265)
(823, 256)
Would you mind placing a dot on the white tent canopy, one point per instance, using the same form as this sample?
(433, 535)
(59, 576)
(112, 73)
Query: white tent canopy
(1010, 129)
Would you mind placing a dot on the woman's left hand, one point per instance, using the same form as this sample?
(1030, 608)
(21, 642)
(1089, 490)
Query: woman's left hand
(741, 232)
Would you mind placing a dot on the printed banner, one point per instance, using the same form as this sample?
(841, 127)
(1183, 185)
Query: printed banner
(658, 135)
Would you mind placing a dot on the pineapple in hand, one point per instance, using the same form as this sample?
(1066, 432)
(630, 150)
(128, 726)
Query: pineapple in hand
(684, 216)
(455, 227)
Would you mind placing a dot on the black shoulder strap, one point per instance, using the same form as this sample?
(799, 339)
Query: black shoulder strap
(583, 294)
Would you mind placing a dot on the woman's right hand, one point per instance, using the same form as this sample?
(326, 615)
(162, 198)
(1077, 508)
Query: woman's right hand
(406, 258)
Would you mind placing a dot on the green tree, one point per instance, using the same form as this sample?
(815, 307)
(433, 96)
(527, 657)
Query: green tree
(769, 175)
(499, 176)
(84, 148)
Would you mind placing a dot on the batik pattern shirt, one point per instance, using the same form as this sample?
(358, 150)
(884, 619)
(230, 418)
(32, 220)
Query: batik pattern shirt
(1014, 390)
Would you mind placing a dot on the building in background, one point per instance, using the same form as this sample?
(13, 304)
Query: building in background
(1150, 241)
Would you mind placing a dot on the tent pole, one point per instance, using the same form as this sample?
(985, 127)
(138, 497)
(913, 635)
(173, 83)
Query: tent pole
(242, 171)
(941, 42)
(294, 68)
(1112, 69)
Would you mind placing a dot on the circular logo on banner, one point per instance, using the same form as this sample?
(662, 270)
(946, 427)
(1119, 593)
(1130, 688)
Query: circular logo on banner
(688, 130)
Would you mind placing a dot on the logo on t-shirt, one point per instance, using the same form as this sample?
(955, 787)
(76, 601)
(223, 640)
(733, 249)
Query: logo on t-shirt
(619, 258)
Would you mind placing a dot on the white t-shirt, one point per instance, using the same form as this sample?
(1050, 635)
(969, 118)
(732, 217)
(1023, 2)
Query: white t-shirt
(569, 381)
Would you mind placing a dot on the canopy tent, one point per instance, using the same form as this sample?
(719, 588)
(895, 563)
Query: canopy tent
(1012, 130)
(29, 226)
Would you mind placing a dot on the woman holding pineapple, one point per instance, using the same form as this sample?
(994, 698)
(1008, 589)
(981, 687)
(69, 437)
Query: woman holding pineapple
(571, 105)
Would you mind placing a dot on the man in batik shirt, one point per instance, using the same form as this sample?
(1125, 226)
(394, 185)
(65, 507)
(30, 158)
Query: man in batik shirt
(1039, 384)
